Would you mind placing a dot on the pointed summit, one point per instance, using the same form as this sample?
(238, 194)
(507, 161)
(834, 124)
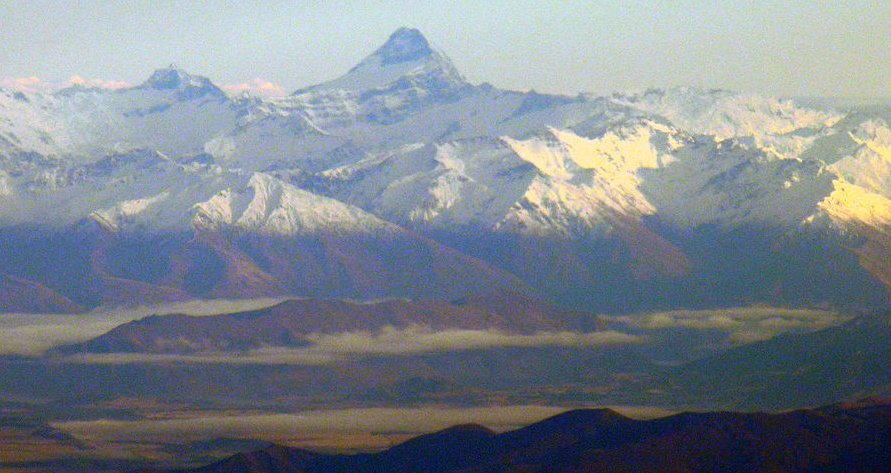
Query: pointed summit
(169, 78)
(187, 85)
(406, 56)
(405, 44)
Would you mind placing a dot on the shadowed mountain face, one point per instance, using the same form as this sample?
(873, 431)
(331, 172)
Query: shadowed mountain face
(21, 295)
(90, 266)
(837, 438)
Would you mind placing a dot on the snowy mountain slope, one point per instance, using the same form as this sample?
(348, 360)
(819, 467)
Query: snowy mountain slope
(725, 114)
(26, 128)
(80, 124)
(590, 179)
(159, 114)
(454, 183)
(145, 188)
(269, 139)
(850, 204)
(869, 163)
(268, 205)
(730, 184)
(764, 148)
(546, 185)
(858, 212)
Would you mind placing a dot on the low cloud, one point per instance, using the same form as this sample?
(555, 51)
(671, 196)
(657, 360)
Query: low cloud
(743, 324)
(31, 84)
(328, 348)
(33, 334)
(417, 339)
(34, 84)
(258, 86)
(416, 420)
(97, 83)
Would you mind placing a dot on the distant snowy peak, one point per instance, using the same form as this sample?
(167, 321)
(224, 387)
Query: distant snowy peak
(405, 44)
(172, 78)
(406, 56)
(189, 86)
(270, 206)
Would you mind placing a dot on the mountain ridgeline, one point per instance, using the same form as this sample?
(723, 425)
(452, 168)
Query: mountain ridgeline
(400, 178)
(836, 438)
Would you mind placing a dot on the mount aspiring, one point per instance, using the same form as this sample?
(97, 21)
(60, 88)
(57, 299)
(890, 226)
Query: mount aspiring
(401, 179)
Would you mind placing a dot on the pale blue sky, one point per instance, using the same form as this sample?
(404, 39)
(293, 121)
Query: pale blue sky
(792, 48)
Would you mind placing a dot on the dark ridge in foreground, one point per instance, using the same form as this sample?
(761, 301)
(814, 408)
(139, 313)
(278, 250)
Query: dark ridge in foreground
(842, 437)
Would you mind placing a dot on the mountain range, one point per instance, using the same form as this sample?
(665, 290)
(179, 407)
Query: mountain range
(400, 238)
(402, 179)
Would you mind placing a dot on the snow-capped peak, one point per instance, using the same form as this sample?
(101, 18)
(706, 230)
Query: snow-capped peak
(173, 78)
(406, 55)
(405, 44)
(167, 78)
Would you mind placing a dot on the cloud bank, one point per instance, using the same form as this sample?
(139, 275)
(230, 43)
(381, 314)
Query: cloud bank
(313, 423)
(258, 86)
(35, 84)
(97, 83)
(34, 334)
(743, 324)
(389, 341)
(31, 84)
